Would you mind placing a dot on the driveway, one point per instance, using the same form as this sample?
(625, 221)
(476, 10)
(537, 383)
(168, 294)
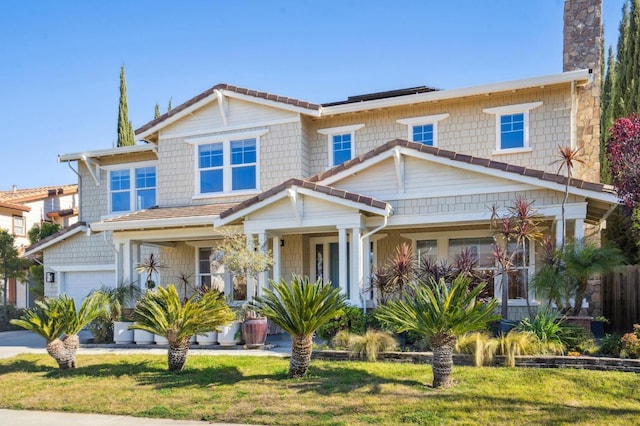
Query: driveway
(13, 343)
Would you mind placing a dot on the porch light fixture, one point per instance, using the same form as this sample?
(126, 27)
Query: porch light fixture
(51, 277)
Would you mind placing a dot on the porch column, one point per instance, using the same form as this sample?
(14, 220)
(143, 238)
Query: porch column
(263, 277)
(276, 258)
(559, 231)
(578, 229)
(366, 269)
(343, 253)
(356, 268)
(250, 283)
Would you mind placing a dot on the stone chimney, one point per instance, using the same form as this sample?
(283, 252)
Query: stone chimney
(582, 50)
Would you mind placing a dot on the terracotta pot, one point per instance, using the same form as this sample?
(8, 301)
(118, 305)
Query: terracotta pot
(254, 332)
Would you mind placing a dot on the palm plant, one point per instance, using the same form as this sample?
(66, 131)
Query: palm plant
(299, 308)
(150, 266)
(440, 313)
(567, 160)
(59, 323)
(162, 312)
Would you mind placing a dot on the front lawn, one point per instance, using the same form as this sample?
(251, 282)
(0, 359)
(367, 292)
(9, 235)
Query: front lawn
(255, 390)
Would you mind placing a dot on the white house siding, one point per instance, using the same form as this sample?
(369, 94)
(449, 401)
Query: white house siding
(178, 260)
(293, 254)
(467, 129)
(78, 250)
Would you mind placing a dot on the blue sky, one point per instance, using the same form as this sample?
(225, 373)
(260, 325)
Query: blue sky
(60, 60)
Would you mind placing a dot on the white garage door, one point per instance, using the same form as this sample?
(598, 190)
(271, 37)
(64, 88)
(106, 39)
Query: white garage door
(78, 284)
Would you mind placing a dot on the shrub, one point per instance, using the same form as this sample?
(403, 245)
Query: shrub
(547, 328)
(630, 343)
(516, 343)
(102, 329)
(610, 345)
(351, 319)
(478, 344)
(372, 343)
(7, 313)
(577, 339)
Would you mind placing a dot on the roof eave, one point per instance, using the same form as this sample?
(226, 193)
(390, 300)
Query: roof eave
(147, 147)
(130, 225)
(439, 95)
(30, 251)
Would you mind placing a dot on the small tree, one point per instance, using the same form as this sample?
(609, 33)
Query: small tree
(38, 232)
(126, 135)
(242, 257)
(623, 154)
(58, 321)
(441, 313)
(11, 265)
(568, 158)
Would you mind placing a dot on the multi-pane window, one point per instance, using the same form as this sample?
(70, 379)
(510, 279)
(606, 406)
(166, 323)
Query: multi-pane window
(228, 166)
(125, 193)
(423, 133)
(211, 165)
(18, 226)
(512, 131)
(341, 142)
(423, 129)
(341, 148)
(243, 164)
(427, 249)
(211, 275)
(512, 126)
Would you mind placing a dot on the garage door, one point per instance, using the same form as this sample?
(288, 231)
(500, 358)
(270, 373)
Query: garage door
(78, 284)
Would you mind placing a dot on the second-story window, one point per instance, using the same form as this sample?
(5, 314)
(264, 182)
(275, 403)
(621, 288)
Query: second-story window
(243, 164)
(132, 189)
(423, 129)
(211, 163)
(227, 166)
(18, 226)
(512, 127)
(341, 143)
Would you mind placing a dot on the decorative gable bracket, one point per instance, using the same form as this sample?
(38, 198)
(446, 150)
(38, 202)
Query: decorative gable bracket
(296, 204)
(398, 161)
(94, 168)
(222, 105)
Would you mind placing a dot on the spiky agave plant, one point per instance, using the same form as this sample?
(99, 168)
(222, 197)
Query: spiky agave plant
(58, 321)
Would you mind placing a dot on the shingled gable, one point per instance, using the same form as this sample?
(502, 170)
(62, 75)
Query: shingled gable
(52, 239)
(462, 158)
(229, 88)
(368, 202)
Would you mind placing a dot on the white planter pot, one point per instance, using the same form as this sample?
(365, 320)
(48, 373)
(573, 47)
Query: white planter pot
(160, 340)
(84, 336)
(121, 332)
(193, 340)
(210, 338)
(143, 337)
(227, 334)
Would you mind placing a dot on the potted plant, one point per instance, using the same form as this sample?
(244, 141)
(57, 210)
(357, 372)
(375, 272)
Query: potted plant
(120, 317)
(230, 333)
(209, 337)
(150, 266)
(597, 326)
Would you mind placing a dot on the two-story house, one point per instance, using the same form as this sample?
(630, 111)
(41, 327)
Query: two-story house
(332, 189)
(21, 209)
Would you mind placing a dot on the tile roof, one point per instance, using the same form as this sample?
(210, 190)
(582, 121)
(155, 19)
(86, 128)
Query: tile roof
(328, 190)
(12, 206)
(31, 194)
(464, 158)
(235, 89)
(172, 212)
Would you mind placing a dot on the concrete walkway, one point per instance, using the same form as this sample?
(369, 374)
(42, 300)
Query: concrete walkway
(13, 343)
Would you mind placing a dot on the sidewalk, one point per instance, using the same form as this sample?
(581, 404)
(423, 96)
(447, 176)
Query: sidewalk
(49, 418)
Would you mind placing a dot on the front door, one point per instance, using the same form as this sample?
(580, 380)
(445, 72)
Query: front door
(326, 261)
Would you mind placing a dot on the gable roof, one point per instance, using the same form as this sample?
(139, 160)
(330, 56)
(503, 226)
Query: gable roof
(32, 194)
(355, 103)
(462, 159)
(364, 202)
(52, 239)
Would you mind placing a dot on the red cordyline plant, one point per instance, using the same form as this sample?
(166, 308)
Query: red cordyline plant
(568, 159)
(623, 155)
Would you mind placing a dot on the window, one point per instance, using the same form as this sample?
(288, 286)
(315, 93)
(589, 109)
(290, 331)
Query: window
(427, 249)
(211, 275)
(341, 143)
(423, 129)
(512, 127)
(227, 163)
(18, 226)
(141, 193)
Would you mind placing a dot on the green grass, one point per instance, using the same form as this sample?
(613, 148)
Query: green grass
(255, 390)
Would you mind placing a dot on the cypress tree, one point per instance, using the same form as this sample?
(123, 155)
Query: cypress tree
(125, 128)
(606, 111)
(169, 107)
(621, 83)
(157, 112)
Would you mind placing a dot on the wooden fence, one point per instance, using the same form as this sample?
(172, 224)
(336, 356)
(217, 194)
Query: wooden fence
(621, 298)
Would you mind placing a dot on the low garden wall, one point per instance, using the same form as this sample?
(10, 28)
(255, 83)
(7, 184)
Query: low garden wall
(536, 361)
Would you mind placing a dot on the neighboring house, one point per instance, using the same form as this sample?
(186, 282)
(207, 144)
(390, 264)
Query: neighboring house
(21, 209)
(333, 189)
